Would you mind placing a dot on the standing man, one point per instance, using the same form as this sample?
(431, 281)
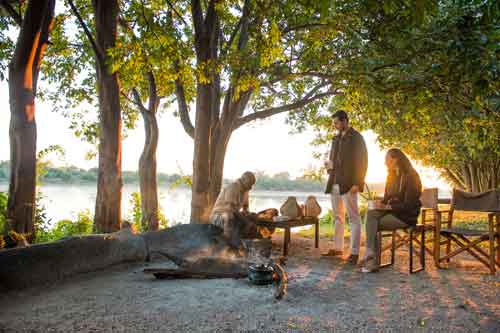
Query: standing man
(346, 168)
(230, 212)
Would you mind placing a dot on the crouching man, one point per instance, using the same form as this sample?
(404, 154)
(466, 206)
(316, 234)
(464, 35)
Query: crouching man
(230, 211)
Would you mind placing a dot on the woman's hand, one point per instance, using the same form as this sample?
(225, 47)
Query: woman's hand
(377, 204)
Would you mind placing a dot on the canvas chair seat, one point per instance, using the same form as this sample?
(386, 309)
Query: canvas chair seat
(464, 232)
(488, 201)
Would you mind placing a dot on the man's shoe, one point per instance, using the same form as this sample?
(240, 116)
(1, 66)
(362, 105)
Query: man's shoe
(353, 259)
(333, 253)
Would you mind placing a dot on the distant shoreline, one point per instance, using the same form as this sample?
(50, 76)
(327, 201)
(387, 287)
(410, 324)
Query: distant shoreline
(375, 187)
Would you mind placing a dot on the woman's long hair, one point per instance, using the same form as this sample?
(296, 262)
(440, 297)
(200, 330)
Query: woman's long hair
(402, 160)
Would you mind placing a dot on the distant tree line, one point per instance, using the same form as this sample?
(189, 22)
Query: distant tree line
(75, 175)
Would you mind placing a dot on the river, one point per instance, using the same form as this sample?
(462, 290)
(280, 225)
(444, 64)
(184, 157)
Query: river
(64, 201)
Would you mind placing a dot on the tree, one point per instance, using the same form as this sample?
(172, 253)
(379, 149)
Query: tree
(107, 216)
(432, 88)
(253, 60)
(143, 58)
(237, 62)
(24, 68)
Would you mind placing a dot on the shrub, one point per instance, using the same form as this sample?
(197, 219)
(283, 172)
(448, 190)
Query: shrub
(136, 214)
(3, 211)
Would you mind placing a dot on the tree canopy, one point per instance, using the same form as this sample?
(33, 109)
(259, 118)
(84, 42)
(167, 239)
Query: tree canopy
(432, 88)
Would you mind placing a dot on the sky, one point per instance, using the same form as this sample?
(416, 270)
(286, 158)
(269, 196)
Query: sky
(265, 145)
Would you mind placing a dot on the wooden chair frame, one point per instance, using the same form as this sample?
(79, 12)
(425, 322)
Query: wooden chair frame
(429, 213)
(468, 240)
(398, 240)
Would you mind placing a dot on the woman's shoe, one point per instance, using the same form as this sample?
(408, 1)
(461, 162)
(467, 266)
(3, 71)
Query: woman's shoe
(363, 261)
(333, 253)
(370, 266)
(368, 270)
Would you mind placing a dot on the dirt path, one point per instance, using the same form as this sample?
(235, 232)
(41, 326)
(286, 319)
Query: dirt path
(325, 295)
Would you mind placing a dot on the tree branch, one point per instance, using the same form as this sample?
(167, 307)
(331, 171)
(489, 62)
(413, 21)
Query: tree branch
(153, 93)
(197, 13)
(242, 27)
(233, 36)
(98, 52)
(309, 98)
(454, 178)
(183, 108)
(12, 12)
(176, 12)
(136, 101)
(45, 29)
(304, 26)
(242, 42)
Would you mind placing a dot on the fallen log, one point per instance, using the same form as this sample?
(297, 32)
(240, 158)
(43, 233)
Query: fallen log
(165, 273)
(50, 262)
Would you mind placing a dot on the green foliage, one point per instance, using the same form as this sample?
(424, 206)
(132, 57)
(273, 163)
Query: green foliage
(42, 222)
(182, 180)
(69, 68)
(429, 87)
(3, 211)
(162, 220)
(136, 211)
(135, 214)
(42, 164)
(66, 228)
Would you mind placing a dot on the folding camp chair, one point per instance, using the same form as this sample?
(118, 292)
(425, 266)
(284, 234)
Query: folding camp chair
(469, 240)
(429, 200)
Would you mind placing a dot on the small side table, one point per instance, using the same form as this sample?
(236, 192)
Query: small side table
(287, 225)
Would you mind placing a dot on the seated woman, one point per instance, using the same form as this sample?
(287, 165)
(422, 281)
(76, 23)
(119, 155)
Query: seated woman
(400, 207)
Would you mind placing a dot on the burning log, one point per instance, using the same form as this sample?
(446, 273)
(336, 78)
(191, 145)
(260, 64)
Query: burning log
(202, 268)
(164, 273)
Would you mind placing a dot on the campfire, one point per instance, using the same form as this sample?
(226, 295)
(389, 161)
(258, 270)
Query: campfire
(256, 265)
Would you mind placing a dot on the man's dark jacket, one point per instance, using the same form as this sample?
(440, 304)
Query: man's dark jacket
(350, 161)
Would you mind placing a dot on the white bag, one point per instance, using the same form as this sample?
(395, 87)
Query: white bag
(312, 207)
(291, 208)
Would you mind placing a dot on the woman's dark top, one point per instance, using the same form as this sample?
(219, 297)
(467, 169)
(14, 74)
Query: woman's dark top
(402, 192)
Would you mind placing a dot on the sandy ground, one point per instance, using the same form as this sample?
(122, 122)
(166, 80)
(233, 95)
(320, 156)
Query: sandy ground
(325, 295)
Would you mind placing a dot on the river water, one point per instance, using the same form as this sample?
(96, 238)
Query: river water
(64, 201)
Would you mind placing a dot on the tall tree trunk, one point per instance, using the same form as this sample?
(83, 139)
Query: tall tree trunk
(207, 31)
(23, 76)
(200, 209)
(147, 173)
(474, 178)
(109, 181)
(219, 149)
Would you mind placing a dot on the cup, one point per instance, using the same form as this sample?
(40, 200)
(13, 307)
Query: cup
(373, 204)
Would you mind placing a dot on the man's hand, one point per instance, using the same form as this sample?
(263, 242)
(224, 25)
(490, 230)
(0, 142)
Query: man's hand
(354, 189)
(328, 164)
(244, 209)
